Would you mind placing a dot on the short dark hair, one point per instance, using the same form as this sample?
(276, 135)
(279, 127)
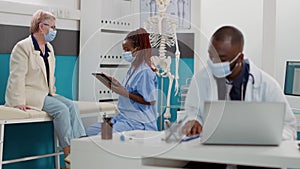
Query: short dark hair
(226, 32)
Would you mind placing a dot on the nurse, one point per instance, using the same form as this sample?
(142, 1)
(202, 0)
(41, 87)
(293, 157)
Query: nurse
(138, 90)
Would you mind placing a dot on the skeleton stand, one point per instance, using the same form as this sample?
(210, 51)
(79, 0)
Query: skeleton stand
(162, 31)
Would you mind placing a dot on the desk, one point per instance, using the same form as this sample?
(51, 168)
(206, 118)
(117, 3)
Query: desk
(153, 153)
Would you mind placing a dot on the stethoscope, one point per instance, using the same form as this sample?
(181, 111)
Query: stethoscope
(244, 83)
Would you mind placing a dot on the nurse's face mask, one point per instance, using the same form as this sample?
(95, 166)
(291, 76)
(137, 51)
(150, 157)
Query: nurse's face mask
(221, 69)
(128, 56)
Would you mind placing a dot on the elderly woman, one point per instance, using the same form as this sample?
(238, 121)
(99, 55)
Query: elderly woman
(31, 80)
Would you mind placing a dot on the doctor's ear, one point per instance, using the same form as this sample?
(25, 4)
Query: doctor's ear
(241, 58)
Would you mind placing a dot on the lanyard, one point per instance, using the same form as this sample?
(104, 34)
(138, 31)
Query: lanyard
(130, 75)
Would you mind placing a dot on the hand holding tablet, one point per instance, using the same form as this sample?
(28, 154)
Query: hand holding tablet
(106, 80)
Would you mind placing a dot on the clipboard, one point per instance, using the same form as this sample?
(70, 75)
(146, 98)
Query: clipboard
(103, 78)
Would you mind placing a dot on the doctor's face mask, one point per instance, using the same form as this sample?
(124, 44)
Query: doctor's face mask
(221, 69)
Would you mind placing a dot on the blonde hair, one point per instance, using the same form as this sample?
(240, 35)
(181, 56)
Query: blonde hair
(38, 17)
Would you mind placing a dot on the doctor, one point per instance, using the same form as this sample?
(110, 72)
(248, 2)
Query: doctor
(231, 77)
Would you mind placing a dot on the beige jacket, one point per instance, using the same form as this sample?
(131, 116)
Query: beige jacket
(27, 82)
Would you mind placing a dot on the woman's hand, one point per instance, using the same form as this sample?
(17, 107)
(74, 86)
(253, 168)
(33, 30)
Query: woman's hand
(116, 87)
(23, 107)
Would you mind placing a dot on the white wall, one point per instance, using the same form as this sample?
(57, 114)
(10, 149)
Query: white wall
(18, 12)
(246, 15)
(287, 40)
(74, 4)
(269, 36)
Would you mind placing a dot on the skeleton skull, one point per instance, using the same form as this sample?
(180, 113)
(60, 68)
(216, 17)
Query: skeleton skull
(162, 5)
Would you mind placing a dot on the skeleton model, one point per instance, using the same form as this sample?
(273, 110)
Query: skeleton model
(162, 31)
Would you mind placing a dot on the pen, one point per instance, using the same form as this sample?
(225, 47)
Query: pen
(190, 138)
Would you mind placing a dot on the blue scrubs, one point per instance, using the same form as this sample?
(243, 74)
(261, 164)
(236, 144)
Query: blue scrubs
(133, 115)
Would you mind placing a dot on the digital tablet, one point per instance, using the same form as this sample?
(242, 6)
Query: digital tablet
(103, 78)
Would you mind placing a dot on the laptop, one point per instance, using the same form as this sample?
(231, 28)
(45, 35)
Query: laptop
(243, 123)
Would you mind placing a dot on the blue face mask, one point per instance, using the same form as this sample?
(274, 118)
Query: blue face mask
(50, 36)
(221, 69)
(128, 56)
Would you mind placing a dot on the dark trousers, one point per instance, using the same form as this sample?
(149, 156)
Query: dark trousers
(202, 165)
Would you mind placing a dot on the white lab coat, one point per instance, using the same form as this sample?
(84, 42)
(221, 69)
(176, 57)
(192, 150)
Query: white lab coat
(261, 87)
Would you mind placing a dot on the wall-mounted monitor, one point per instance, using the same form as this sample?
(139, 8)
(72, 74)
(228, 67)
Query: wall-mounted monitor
(292, 78)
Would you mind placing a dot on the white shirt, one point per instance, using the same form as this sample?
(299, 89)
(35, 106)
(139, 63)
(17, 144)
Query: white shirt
(261, 87)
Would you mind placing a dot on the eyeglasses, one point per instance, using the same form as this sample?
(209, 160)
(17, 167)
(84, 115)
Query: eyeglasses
(53, 27)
